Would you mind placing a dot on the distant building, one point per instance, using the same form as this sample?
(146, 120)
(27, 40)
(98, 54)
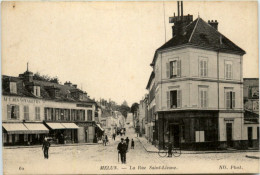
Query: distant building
(32, 109)
(251, 94)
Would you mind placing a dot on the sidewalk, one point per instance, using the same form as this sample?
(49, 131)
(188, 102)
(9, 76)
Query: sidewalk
(52, 145)
(152, 149)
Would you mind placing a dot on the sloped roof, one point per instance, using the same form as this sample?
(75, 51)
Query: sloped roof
(202, 35)
(24, 91)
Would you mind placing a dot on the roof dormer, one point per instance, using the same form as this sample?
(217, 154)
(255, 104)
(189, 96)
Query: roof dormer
(53, 91)
(37, 90)
(13, 87)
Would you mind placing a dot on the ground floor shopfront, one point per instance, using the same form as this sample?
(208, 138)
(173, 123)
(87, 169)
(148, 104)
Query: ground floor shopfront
(199, 130)
(23, 133)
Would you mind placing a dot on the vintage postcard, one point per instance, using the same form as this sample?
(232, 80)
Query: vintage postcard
(130, 87)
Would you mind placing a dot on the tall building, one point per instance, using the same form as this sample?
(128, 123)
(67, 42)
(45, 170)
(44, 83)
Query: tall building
(33, 109)
(196, 87)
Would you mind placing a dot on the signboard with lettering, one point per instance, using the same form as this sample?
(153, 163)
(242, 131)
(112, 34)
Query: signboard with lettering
(84, 105)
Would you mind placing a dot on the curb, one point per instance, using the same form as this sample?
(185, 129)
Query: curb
(253, 157)
(209, 152)
(37, 146)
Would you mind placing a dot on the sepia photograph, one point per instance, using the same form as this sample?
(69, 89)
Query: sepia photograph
(130, 87)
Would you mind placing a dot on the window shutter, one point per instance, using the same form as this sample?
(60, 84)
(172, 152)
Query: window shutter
(201, 98)
(178, 98)
(205, 68)
(8, 112)
(226, 70)
(201, 68)
(17, 112)
(206, 99)
(168, 70)
(227, 99)
(179, 68)
(233, 100)
(230, 71)
(168, 99)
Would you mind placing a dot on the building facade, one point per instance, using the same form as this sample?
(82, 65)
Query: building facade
(33, 109)
(196, 88)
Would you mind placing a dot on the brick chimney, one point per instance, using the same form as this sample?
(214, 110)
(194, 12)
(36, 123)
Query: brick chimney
(68, 83)
(213, 24)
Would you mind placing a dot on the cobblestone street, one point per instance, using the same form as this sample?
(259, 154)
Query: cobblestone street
(91, 158)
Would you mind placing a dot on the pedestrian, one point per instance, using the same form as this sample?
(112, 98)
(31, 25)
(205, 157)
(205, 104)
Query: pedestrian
(106, 140)
(121, 147)
(45, 147)
(169, 149)
(127, 142)
(132, 144)
(114, 136)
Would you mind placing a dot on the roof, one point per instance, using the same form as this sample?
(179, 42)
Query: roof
(150, 80)
(202, 35)
(24, 90)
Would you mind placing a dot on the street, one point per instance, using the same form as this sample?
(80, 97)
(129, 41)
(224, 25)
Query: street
(104, 159)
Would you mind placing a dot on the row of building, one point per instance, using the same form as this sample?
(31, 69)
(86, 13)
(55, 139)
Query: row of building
(197, 97)
(33, 109)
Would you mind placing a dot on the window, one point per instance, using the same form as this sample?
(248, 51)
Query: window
(73, 114)
(12, 112)
(89, 115)
(203, 97)
(230, 99)
(26, 112)
(228, 70)
(48, 113)
(174, 99)
(203, 67)
(37, 91)
(173, 69)
(13, 88)
(37, 113)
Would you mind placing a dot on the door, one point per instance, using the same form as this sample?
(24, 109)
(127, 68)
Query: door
(229, 134)
(21, 138)
(176, 136)
(250, 136)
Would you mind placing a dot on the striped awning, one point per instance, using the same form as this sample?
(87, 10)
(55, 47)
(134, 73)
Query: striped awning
(15, 128)
(70, 125)
(55, 125)
(38, 128)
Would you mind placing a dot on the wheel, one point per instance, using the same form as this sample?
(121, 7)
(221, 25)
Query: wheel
(176, 152)
(162, 153)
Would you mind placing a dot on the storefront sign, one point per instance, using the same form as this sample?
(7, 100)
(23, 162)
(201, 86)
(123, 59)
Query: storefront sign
(23, 100)
(84, 105)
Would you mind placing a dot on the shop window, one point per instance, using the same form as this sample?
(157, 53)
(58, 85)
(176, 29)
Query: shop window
(62, 114)
(12, 112)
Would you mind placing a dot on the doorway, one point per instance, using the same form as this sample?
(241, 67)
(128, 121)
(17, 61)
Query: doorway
(250, 136)
(229, 134)
(175, 135)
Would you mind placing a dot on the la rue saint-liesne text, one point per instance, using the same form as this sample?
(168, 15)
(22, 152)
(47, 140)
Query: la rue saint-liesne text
(163, 167)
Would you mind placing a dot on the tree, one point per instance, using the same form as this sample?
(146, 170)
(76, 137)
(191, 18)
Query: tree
(38, 76)
(124, 104)
(134, 108)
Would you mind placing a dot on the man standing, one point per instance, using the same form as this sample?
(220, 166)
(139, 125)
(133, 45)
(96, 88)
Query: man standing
(45, 147)
(122, 150)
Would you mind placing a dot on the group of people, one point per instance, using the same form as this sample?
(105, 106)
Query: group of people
(122, 148)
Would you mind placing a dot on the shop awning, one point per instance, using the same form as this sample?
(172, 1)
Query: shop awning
(38, 128)
(55, 125)
(100, 127)
(70, 125)
(15, 128)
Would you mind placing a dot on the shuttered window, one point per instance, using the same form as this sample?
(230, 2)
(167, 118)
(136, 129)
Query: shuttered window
(203, 68)
(89, 115)
(173, 69)
(12, 112)
(37, 113)
(230, 99)
(228, 70)
(203, 97)
(26, 112)
(174, 99)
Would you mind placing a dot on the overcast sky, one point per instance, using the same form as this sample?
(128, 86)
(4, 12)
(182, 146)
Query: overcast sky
(106, 47)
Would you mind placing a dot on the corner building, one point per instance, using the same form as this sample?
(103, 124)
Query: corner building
(196, 88)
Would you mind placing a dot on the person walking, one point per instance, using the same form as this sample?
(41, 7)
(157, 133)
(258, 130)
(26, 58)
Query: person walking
(114, 136)
(127, 142)
(121, 147)
(45, 147)
(106, 140)
(132, 144)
